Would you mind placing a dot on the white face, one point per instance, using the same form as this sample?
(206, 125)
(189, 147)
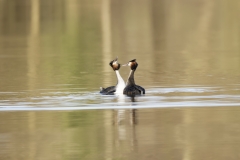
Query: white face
(115, 62)
(129, 63)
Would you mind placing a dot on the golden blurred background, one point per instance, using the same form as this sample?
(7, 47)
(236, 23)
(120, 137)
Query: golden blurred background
(43, 43)
(66, 45)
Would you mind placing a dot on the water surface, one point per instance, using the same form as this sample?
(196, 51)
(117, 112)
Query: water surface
(54, 56)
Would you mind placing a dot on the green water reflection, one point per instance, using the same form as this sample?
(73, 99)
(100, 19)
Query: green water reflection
(206, 133)
(66, 45)
(43, 43)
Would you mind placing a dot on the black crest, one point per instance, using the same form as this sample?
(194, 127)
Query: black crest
(133, 64)
(115, 65)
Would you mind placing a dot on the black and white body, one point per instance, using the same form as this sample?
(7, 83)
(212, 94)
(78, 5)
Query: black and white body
(118, 89)
(131, 88)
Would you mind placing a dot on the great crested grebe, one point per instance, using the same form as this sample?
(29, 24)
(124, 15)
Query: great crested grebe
(131, 88)
(120, 83)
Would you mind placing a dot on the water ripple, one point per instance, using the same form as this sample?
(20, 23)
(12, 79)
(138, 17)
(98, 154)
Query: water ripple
(155, 98)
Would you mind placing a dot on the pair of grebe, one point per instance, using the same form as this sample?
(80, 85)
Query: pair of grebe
(130, 88)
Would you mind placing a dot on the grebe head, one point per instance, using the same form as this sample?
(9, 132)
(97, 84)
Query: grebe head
(114, 64)
(132, 64)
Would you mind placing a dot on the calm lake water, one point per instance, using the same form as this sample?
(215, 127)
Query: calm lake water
(54, 56)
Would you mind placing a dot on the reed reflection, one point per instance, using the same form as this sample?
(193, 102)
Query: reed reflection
(63, 45)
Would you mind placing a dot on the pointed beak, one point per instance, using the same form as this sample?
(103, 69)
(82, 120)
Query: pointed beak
(125, 64)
